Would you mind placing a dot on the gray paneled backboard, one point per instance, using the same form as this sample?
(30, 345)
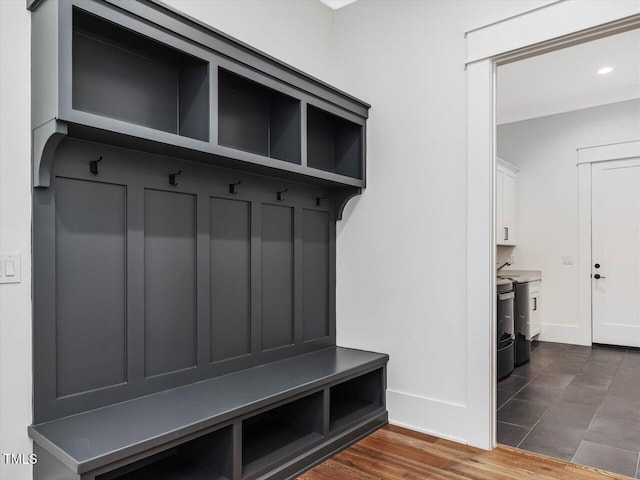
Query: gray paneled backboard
(90, 239)
(316, 274)
(170, 281)
(230, 278)
(277, 276)
(147, 286)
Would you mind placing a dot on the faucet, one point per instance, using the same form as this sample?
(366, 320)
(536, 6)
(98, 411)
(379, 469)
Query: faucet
(505, 264)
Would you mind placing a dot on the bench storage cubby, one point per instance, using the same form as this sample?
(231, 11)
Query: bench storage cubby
(356, 398)
(186, 194)
(280, 433)
(209, 457)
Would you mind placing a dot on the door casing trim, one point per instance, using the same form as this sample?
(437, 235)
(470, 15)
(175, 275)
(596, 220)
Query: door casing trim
(540, 30)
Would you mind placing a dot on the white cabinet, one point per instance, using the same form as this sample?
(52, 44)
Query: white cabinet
(535, 311)
(506, 198)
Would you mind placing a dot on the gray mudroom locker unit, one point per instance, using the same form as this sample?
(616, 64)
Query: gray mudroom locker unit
(186, 193)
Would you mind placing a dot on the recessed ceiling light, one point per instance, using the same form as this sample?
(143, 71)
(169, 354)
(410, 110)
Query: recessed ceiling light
(605, 70)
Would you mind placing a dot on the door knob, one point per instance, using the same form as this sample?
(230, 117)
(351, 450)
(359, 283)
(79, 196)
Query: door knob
(598, 276)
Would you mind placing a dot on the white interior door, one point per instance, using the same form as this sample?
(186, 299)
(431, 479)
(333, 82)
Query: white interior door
(615, 207)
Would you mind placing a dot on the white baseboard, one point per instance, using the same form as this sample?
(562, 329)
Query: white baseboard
(564, 334)
(428, 416)
(428, 432)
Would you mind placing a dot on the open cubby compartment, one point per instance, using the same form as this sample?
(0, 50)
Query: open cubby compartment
(354, 399)
(123, 75)
(334, 144)
(257, 119)
(209, 457)
(280, 433)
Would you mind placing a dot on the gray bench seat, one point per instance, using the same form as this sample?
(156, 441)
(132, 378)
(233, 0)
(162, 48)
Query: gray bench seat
(88, 441)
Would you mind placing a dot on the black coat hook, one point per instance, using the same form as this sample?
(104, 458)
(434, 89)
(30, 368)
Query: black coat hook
(93, 166)
(281, 194)
(319, 200)
(172, 178)
(232, 187)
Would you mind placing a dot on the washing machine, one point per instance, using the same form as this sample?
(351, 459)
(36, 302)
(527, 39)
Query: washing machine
(522, 314)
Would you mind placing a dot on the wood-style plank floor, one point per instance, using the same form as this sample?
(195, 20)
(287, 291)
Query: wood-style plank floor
(397, 453)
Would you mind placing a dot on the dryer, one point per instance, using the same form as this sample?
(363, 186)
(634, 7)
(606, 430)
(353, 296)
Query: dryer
(505, 327)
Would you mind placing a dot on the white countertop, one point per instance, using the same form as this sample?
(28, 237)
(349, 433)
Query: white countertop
(534, 275)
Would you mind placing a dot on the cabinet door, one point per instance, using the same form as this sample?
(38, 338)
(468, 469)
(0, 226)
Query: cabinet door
(508, 209)
(499, 208)
(534, 315)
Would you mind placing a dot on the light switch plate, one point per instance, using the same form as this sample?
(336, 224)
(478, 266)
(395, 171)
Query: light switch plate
(10, 268)
(568, 260)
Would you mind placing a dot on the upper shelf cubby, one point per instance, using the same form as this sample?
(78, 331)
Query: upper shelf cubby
(120, 74)
(334, 144)
(140, 75)
(257, 119)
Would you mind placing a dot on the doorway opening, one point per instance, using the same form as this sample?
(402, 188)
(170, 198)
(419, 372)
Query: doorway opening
(567, 230)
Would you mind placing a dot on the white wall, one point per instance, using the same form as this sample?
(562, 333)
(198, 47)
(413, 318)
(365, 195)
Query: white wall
(401, 249)
(15, 234)
(298, 32)
(545, 151)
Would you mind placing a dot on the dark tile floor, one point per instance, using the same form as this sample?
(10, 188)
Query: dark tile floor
(580, 404)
